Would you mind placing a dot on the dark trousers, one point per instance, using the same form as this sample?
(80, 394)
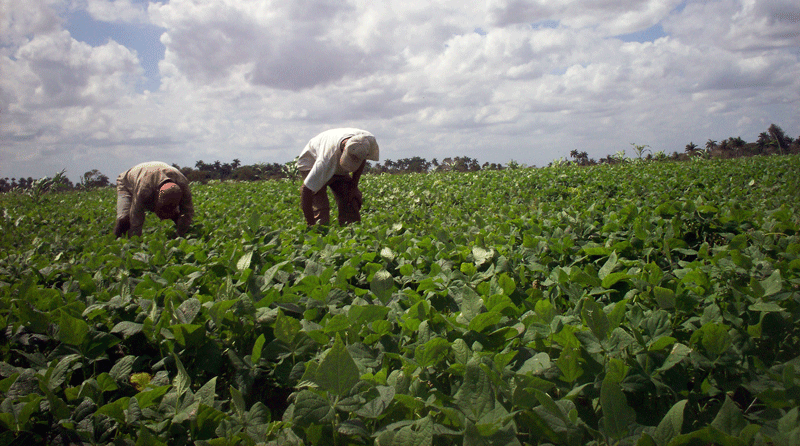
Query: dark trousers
(347, 196)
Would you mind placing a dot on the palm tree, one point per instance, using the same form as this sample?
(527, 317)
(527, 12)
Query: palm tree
(778, 136)
(762, 142)
(691, 149)
(724, 147)
(736, 144)
(710, 145)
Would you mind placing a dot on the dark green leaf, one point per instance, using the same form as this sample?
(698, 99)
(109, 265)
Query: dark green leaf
(337, 373)
(618, 417)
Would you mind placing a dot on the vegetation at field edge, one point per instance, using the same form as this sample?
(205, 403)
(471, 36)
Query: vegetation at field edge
(634, 303)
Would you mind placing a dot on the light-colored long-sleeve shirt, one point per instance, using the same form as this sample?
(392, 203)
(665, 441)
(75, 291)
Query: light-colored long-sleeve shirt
(137, 190)
(320, 157)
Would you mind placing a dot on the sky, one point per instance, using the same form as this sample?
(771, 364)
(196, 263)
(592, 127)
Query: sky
(97, 84)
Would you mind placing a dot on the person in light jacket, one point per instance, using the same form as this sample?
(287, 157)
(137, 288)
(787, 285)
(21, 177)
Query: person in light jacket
(157, 187)
(328, 160)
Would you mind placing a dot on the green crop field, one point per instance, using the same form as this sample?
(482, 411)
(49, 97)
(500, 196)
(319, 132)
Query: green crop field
(646, 303)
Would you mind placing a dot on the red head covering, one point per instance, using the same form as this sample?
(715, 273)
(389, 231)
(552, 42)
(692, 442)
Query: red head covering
(169, 195)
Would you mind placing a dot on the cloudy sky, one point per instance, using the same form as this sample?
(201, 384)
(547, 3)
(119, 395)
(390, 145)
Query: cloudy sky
(97, 84)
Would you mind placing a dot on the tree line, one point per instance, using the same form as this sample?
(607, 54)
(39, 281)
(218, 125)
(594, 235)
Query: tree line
(773, 141)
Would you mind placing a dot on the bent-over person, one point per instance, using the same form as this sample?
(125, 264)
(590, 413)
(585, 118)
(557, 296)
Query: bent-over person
(157, 187)
(327, 161)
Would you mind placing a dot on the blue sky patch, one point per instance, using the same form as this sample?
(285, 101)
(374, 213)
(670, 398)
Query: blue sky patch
(142, 38)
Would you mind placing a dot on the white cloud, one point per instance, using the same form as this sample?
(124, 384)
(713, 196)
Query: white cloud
(117, 11)
(19, 21)
(741, 26)
(609, 17)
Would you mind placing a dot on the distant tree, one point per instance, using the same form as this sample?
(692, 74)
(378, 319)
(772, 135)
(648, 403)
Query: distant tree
(245, 173)
(724, 148)
(762, 142)
(691, 149)
(580, 158)
(94, 178)
(778, 137)
(736, 144)
(462, 164)
(711, 145)
(200, 176)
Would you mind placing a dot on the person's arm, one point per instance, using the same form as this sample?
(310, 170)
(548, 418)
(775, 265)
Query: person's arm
(358, 172)
(138, 209)
(123, 223)
(183, 221)
(122, 226)
(307, 205)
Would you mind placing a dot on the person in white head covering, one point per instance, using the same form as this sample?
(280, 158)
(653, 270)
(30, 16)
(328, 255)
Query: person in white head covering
(156, 187)
(328, 160)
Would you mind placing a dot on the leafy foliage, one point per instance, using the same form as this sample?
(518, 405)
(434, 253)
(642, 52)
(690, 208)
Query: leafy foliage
(638, 303)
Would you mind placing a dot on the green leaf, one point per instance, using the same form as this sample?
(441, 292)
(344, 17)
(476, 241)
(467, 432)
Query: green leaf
(772, 284)
(181, 382)
(461, 351)
(115, 410)
(670, 425)
(568, 363)
(337, 373)
(206, 422)
(536, 364)
(147, 398)
(716, 339)
(661, 343)
(482, 255)
(765, 307)
(364, 314)
(432, 352)
(484, 320)
(618, 417)
(382, 285)
(548, 404)
(257, 347)
(665, 297)
(678, 353)
(145, 438)
(122, 369)
(244, 261)
(311, 408)
(475, 397)
(286, 328)
(470, 303)
(608, 267)
(375, 407)
(188, 310)
(127, 328)
(507, 284)
(106, 382)
(189, 335)
(595, 318)
(708, 435)
(418, 434)
(237, 401)
(207, 393)
(616, 370)
(71, 330)
(729, 419)
(613, 278)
